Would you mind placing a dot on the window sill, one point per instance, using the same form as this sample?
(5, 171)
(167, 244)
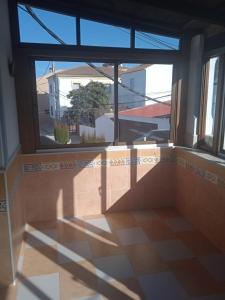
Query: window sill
(103, 149)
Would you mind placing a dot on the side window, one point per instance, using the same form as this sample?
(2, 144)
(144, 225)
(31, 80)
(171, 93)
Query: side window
(211, 93)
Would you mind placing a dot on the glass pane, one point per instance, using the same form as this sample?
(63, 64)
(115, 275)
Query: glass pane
(145, 103)
(223, 147)
(75, 103)
(31, 32)
(211, 99)
(99, 34)
(153, 41)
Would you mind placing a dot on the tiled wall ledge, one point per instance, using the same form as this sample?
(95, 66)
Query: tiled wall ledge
(103, 149)
(96, 163)
(202, 164)
(80, 160)
(200, 192)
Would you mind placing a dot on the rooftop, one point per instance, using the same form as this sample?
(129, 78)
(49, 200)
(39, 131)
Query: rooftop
(151, 110)
(89, 71)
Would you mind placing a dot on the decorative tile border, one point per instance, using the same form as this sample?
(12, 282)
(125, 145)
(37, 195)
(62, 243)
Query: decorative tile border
(3, 206)
(97, 163)
(209, 176)
(136, 161)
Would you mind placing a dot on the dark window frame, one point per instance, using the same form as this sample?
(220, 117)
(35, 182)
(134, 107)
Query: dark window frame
(26, 53)
(78, 16)
(116, 142)
(219, 123)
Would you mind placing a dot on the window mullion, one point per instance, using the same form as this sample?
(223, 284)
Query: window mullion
(116, 105)
(218, 113)
(78, 31)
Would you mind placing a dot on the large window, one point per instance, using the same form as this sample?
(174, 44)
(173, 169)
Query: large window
(77, 105)
(54, 28)
(212, 121)
(96, 83)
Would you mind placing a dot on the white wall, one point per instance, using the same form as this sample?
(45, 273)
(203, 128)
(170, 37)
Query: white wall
(8, 111)
(105, 127)
(159, 82)
(125, 96)
(87, 130)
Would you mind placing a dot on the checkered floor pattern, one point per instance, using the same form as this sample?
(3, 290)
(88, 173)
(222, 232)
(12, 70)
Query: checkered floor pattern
(153, 255)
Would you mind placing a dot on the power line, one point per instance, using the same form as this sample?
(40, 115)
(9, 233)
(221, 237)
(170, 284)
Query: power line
(37, 19)
(141, 39)
(60, 93)
(149, 39)
(157, 40)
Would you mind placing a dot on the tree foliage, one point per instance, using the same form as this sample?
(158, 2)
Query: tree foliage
(89, 99)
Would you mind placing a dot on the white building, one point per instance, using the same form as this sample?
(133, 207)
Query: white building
(61, 83)
(151, 80)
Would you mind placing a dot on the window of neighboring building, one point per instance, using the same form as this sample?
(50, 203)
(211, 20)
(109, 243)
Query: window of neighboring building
(51, 111)
(132, 83)
(75, 86)
(51, 90)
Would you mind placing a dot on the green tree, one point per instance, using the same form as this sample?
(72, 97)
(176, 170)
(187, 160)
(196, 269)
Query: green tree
(89, 101)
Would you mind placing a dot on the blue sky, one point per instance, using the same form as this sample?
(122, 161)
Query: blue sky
(92, 33)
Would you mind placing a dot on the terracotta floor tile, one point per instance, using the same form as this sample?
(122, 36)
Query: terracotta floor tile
(77, 280)
(113, 267)
(120, 220)
(68, 232)
(158, 230)
(121, 289)
(195, 278)
(40, 261)
(101, 247)
(197, 242)
(42, 225)
(143, 216)
(144, 259)
(38, 287)
(167, 212)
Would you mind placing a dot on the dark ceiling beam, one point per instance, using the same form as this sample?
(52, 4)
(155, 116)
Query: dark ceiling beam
(194, 11)
(215, 42)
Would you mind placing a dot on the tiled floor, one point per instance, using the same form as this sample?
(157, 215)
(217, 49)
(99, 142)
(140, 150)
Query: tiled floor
(153, 255)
